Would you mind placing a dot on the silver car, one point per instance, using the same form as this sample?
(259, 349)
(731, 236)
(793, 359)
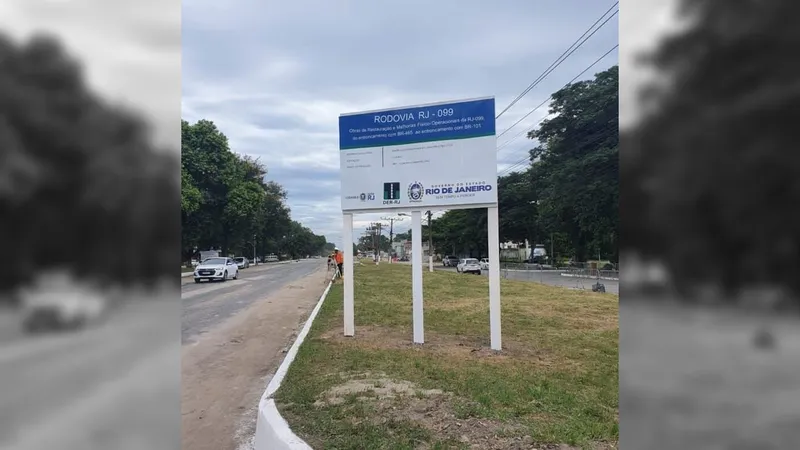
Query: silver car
(242, 262)
(469, 265)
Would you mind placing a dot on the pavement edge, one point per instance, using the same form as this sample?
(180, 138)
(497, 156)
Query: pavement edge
(272, 430)
(189, 274)
(572, 275)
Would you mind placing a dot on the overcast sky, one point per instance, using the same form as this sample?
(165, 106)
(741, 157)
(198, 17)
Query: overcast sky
(275, 75)
(131, 50)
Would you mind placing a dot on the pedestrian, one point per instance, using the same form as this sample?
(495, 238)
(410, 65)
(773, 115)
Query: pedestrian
(339, 259)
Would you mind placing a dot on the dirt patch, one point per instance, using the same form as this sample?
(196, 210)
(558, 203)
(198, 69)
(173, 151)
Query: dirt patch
(435, 410)
(457, 347)
(224, 374)
(381, 388)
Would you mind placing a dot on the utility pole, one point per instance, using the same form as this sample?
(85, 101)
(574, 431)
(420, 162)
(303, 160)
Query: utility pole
(430, 243)
(391, 231)
(366, 235)
(373, 228)
(255, 260)
(378, 244)
(391, 243)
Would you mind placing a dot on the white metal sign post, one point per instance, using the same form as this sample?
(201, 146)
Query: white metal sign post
(347, 276)
(493, 222)
(416, 277)
(427, 157)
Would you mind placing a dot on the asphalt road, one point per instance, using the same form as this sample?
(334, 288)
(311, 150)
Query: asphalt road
(692, 378)
(209, 303)
(117, 384)
(550, 277)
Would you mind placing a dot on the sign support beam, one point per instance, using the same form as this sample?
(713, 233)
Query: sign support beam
(347, 276)
(493, 220)
(416, 276)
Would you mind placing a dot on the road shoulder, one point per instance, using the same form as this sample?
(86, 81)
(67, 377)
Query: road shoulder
(224, 373)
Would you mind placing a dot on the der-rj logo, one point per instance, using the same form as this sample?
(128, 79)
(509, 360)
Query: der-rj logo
(391, 191)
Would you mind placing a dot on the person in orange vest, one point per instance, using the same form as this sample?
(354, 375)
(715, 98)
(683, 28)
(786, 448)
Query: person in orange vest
(339, 258)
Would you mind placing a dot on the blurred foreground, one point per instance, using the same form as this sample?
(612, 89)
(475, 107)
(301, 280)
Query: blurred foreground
(89, 203)
(692, 378)
(112, 384)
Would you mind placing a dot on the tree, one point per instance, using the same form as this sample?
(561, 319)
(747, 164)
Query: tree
(576, 174)
(400, 237)
(230, 206)
(517, 201)
(461, 231)
(82, 186)
(715, 174)
(569, 194)
(367, 242)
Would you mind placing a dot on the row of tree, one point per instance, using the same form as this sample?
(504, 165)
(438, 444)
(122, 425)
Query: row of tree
(710, 180)
(82, 186)
(567, 195)
(227, 205)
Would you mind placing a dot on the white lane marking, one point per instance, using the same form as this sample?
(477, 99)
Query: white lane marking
(208, 288)
(257, 278)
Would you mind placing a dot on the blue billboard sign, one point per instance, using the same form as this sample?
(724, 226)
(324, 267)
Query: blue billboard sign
(427, 123)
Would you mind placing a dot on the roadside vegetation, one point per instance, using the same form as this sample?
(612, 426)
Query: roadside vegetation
(226, 202)
(555, 382)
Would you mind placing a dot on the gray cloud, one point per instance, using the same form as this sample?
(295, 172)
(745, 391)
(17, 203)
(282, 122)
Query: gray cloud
(275, 75)
(131, 50)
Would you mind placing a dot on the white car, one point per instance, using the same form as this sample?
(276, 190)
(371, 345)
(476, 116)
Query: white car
(242, 262)
(469, 265)
(484, 263)
(219, 269)
(59, 302)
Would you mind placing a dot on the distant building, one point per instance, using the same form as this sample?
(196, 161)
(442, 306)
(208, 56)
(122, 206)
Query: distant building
(399, 249)
(407, 249)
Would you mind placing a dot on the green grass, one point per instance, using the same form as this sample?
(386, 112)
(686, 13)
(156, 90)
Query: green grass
(556, 380)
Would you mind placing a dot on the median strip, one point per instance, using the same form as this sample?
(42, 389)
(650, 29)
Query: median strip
(556, 381)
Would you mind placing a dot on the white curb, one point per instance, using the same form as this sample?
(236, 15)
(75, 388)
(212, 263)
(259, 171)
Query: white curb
(272, 431)
(588, 277)
(531, 270)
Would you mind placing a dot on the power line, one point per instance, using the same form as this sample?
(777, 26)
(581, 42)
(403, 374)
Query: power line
(548, 98)
(505, 144)
(592, 142)
(602, 137)
(521, 162)
(575, 46)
